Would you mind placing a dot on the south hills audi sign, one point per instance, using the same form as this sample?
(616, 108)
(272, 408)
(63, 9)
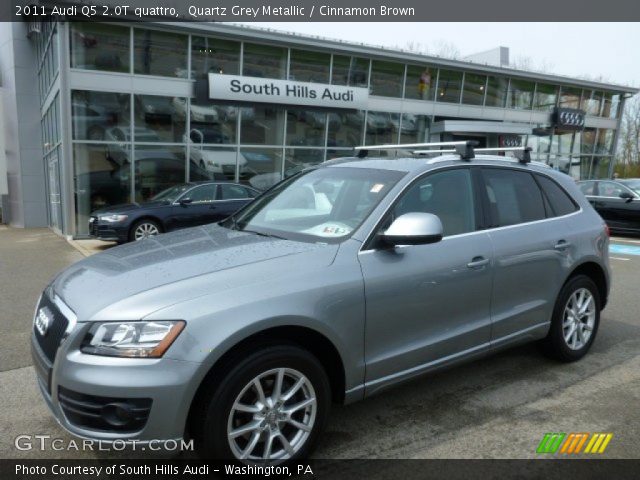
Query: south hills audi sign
(253, 89)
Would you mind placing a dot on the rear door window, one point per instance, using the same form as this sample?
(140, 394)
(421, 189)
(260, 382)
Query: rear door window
(514, 197)
(559, 200)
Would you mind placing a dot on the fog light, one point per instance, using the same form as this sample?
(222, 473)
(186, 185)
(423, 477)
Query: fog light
(117, 414)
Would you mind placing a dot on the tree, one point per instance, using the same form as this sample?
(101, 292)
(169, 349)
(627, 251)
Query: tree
(628, 154)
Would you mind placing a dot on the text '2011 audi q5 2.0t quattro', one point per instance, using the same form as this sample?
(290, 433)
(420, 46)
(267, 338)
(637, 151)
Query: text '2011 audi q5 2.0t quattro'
(339, 282)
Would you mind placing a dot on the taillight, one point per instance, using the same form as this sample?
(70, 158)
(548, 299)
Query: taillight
(606, 230)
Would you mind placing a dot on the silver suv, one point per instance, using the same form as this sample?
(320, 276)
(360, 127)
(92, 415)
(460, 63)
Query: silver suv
(337, 283)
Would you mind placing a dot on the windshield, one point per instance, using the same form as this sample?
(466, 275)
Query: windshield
(171, 194)
(633, 185)
(321, 205)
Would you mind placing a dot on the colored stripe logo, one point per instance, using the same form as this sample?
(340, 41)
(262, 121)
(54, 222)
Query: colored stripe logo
(573, 443)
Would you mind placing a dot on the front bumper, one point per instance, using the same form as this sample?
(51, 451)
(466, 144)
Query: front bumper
(168, 384)
(108, 231)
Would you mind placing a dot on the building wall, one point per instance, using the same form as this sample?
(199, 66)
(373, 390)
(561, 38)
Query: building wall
(115, 117)
(25, 205)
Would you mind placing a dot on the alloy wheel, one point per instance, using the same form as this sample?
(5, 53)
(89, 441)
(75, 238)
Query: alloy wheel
(145, 230)
(579, 319)
(272, 417)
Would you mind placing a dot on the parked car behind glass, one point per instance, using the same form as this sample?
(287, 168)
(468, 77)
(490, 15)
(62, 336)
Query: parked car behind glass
(180, 206)
(617, 202)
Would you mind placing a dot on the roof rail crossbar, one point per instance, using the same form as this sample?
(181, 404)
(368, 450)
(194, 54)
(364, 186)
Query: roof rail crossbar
(463, 148)
(524, 157)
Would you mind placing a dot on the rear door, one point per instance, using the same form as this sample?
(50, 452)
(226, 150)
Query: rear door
(197, 211)
(231, 197)
(531, 249)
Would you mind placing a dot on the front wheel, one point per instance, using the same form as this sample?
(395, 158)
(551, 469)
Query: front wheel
(144, 229)
(575, 320)
(270, 407)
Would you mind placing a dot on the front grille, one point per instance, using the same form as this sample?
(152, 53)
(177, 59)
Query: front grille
(93, 226)
(104, 413)
(58, 324)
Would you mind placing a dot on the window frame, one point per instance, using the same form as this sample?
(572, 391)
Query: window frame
(247, 189)
(372, 241)
(494, 222)
(621, 185)
(200, 185)
(547, 201)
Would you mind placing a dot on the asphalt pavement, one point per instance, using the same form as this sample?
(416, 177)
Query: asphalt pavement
(497, 407)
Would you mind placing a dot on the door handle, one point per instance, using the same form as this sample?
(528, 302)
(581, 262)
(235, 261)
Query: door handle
(212, 207)
(478, 262)
(562, 245)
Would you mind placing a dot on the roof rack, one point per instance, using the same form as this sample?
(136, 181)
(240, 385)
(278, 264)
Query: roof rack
(525, 156)
(466, 149)
(463, 148)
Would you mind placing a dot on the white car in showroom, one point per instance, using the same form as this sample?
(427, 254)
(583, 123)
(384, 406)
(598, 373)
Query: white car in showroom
(214, 160)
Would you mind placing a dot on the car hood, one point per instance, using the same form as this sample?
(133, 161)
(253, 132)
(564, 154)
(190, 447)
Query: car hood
(176, 267)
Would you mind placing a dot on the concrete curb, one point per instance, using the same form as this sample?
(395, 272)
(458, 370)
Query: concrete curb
(90, 247)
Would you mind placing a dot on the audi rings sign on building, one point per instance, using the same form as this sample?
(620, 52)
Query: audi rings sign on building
(569, 119)
(509, 141)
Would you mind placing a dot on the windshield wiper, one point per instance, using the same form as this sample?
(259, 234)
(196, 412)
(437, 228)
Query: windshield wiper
(263, 234)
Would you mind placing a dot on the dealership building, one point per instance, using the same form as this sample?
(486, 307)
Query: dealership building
(96, 114)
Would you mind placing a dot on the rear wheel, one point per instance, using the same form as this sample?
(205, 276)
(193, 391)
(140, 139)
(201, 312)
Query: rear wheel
(144, 228)
(270, 407)
(575, 321)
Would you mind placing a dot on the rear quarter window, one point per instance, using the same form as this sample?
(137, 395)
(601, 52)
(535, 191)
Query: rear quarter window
(559, 200)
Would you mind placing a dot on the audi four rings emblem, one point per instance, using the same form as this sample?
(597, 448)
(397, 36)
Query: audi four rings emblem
(510, 141)
(43, 320)
(573, 119)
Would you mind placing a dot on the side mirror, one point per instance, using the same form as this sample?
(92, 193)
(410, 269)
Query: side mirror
(185, 201)
(628, 196)
(414, 229)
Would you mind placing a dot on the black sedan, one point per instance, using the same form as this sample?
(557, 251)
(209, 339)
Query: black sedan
(180, 206)
(617, 202)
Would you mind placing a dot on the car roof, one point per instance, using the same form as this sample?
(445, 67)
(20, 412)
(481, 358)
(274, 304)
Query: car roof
(421, 164)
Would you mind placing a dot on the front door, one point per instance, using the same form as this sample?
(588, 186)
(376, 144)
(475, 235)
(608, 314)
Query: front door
(427, 304)
(619, 213)
(202, 201)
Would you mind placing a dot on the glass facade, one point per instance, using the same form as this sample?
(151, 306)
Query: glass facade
(130, 145)
(420, 83)
(497, 89)
(546, 97)
(449, 86)
(264, 61)
(520, 94)
(97, 46)
(308, 66)
(386, 78)
(212, 55)
(159, 53)
(474, 89)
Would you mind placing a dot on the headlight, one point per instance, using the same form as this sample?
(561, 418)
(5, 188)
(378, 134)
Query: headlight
(211, 163)
(131, 339)
(113, 218)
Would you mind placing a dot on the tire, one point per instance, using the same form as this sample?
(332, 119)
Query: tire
(561, 343)
(137, 231)
(217, 417)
